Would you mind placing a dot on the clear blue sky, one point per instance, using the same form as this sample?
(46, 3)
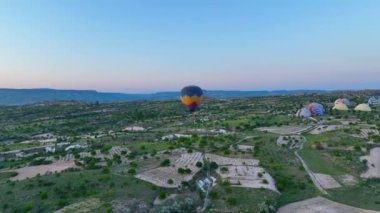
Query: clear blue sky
(157, 45)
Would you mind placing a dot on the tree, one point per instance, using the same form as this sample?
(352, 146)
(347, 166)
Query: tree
(170, 181)
(5, 206)
(224, 169)
(26, 207)
(43, 195)
(231, 201)
(105, 170)
(131, 171)
(165, 162)
(152, 186)
(116, 158)
(213, 165)
(181, 170)
(199, 164)
(162, 195)
(133, 164)
(213, 195)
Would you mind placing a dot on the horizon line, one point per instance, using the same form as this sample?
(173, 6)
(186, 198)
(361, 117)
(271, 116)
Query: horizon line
(170, 91)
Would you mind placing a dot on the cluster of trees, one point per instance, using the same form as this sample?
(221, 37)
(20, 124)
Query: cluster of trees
(184, 170)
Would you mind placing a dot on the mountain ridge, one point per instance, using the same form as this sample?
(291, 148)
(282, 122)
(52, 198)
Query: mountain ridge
(28, 96)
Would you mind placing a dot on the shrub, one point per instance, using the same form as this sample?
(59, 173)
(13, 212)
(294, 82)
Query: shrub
(133, 164)
(105, 170)
(213, 165)
(26, 207)
(224, 169)
(5, 206)
(231, 201)
(165, 162)
(152, 186)
(40, 162)
(181, 170)
(162, 195)
(43, 195)
(170, 181)
(213, 195)
(131, 171)
(199, 164)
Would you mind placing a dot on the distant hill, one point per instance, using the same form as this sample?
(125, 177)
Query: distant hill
(28, 96)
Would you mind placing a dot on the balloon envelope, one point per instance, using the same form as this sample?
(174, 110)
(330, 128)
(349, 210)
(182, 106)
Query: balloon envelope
(340, 107)
(303, 113)
(342, 101)
(374, 101)
(363, 108)
(316, 109)
(191, 97)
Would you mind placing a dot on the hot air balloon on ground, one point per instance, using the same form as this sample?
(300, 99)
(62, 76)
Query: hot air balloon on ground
(340, 107)
(363, 108)
(374, 101)
(191, 97)
(316, 109)
(342, 101)
(303, 113)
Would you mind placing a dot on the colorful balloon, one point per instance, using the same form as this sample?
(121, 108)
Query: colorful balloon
(191, 97)
(316, 109)
(340, 107)
(303, 113)
(342, 101)
(374, 101)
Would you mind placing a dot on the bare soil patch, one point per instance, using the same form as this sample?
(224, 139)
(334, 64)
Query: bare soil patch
(326, 181)
(32, 171)
(243, 172)
(348, 180)
(320, 205)
(326, 128)
(85, 206)
(160, 176)
(286, 130)
(373, 164)
(226, 161)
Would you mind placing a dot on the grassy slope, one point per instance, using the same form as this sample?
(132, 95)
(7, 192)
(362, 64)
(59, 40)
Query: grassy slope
(365, 194)
(70, 187)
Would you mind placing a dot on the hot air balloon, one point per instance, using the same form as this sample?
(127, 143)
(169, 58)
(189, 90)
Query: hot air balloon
(303, 113)
(342, 101)
(191, 97)
(316, 109)
(363, 108)
(374, 101)
(340, 107)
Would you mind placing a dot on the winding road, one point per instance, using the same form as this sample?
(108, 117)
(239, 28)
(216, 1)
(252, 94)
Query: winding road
(309, 172)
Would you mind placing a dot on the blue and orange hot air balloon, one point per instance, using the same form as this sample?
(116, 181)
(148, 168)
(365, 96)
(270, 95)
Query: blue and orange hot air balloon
(191, 97)
(316, 109)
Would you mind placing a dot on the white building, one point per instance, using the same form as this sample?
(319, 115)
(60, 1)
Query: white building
(75, 146)
(134, 129)
(175, 136)
(50, 149)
